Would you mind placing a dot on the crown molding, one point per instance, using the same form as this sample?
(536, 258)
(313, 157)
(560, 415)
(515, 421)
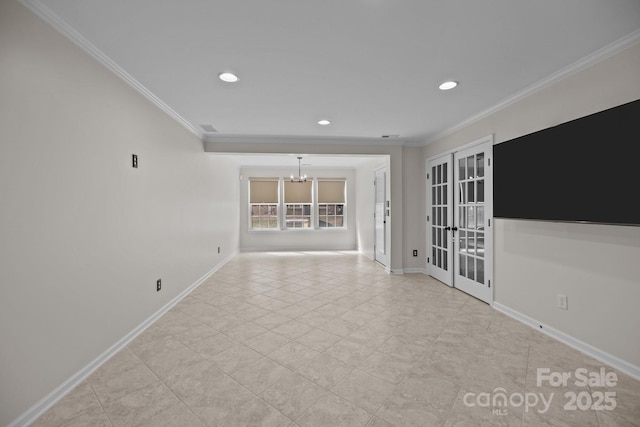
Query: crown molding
(303, 139)
(46, 14)
(587, 61)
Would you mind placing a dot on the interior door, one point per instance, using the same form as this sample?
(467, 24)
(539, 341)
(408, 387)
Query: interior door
(459, 212)
(472, 219)
(380, 217)
(440, 218)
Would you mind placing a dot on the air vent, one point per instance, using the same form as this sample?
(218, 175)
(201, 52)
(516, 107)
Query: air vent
(208, 128)
(390, 136)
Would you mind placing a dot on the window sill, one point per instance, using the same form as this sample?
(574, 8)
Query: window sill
(299, 230)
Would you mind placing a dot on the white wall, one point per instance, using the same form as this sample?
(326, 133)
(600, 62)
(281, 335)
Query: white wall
(414, 211)
(325, 239)
(83, 235)
(596, 266)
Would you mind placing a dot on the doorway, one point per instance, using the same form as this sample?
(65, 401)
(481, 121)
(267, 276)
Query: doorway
(380, 217)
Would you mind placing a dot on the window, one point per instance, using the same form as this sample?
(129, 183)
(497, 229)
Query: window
(298, 201)
(331, 203)
(277, 204)
(263, 203)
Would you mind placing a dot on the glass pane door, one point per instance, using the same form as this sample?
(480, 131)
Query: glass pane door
(471, 219)
(440, 255)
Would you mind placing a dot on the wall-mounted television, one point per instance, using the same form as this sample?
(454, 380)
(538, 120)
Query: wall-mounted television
(585, 170)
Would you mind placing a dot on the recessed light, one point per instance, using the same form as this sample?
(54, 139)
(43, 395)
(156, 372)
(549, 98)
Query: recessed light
(324, 122)
(448, 85)
(228, 77)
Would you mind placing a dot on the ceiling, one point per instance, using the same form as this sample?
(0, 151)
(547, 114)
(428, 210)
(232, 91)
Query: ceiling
(372, 67)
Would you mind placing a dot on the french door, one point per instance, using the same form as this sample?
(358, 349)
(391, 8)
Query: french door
(459, 213)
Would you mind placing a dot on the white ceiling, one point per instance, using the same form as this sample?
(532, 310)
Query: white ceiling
(370, 66)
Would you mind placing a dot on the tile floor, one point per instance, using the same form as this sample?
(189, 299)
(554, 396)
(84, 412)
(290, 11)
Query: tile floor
(329, 339)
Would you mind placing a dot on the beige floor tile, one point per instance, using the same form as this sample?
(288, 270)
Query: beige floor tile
(97, 418)
(271, 320)
(262, 316)
(364, 390)
(349, 352)
(318, 339)
(401, 412)
(192, 336)
(292, 329)
(358, 317)
(612, 419)
(140, 406)
(235, 357)
(255, 412)
(315, 319)
(378, 422)
(333, 411)
(168, 356)
(177, 415)
(210, 346)
(259, 375)
(199, 378)
(79, 401)
(340, 327)
(293, 355)
(252, 313)
(121, 375)
(332, 309)
(369, 337)
(325, 371)
(314, 302)
(437, 393)
(292, 395)
(404, 349)
(245, 332)
(223, 322)
(293, 311)
(267, 342)
(219, 402)
(387, 367)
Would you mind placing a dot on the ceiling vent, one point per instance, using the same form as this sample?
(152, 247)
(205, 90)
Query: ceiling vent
(390, 136)
(208, 128)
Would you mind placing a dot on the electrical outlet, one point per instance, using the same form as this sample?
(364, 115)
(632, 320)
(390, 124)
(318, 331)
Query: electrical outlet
(562, 302)
(134, 160)
(415, 252)
(158, 285)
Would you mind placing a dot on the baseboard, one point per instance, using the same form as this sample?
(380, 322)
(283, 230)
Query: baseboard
(414, 270)
(295, 249)
(596, 353)
(52, 398)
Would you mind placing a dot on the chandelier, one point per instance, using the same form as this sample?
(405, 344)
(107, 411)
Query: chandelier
(300, 177)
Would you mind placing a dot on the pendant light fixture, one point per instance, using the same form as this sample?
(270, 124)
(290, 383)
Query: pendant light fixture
(300, 177)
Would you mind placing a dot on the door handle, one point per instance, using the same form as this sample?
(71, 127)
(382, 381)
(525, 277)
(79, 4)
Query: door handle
(455, 228)
(447, 228)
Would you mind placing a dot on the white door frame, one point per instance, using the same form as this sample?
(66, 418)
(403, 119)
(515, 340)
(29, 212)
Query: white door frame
(380, 255)
(484, 294)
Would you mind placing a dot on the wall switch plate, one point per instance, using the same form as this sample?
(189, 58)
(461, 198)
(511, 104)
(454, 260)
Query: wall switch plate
(134, 160)
(562, 302)
(158, 285)
(415, 252)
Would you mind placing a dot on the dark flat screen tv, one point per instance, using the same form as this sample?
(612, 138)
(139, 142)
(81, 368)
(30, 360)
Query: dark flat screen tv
(585, 170)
